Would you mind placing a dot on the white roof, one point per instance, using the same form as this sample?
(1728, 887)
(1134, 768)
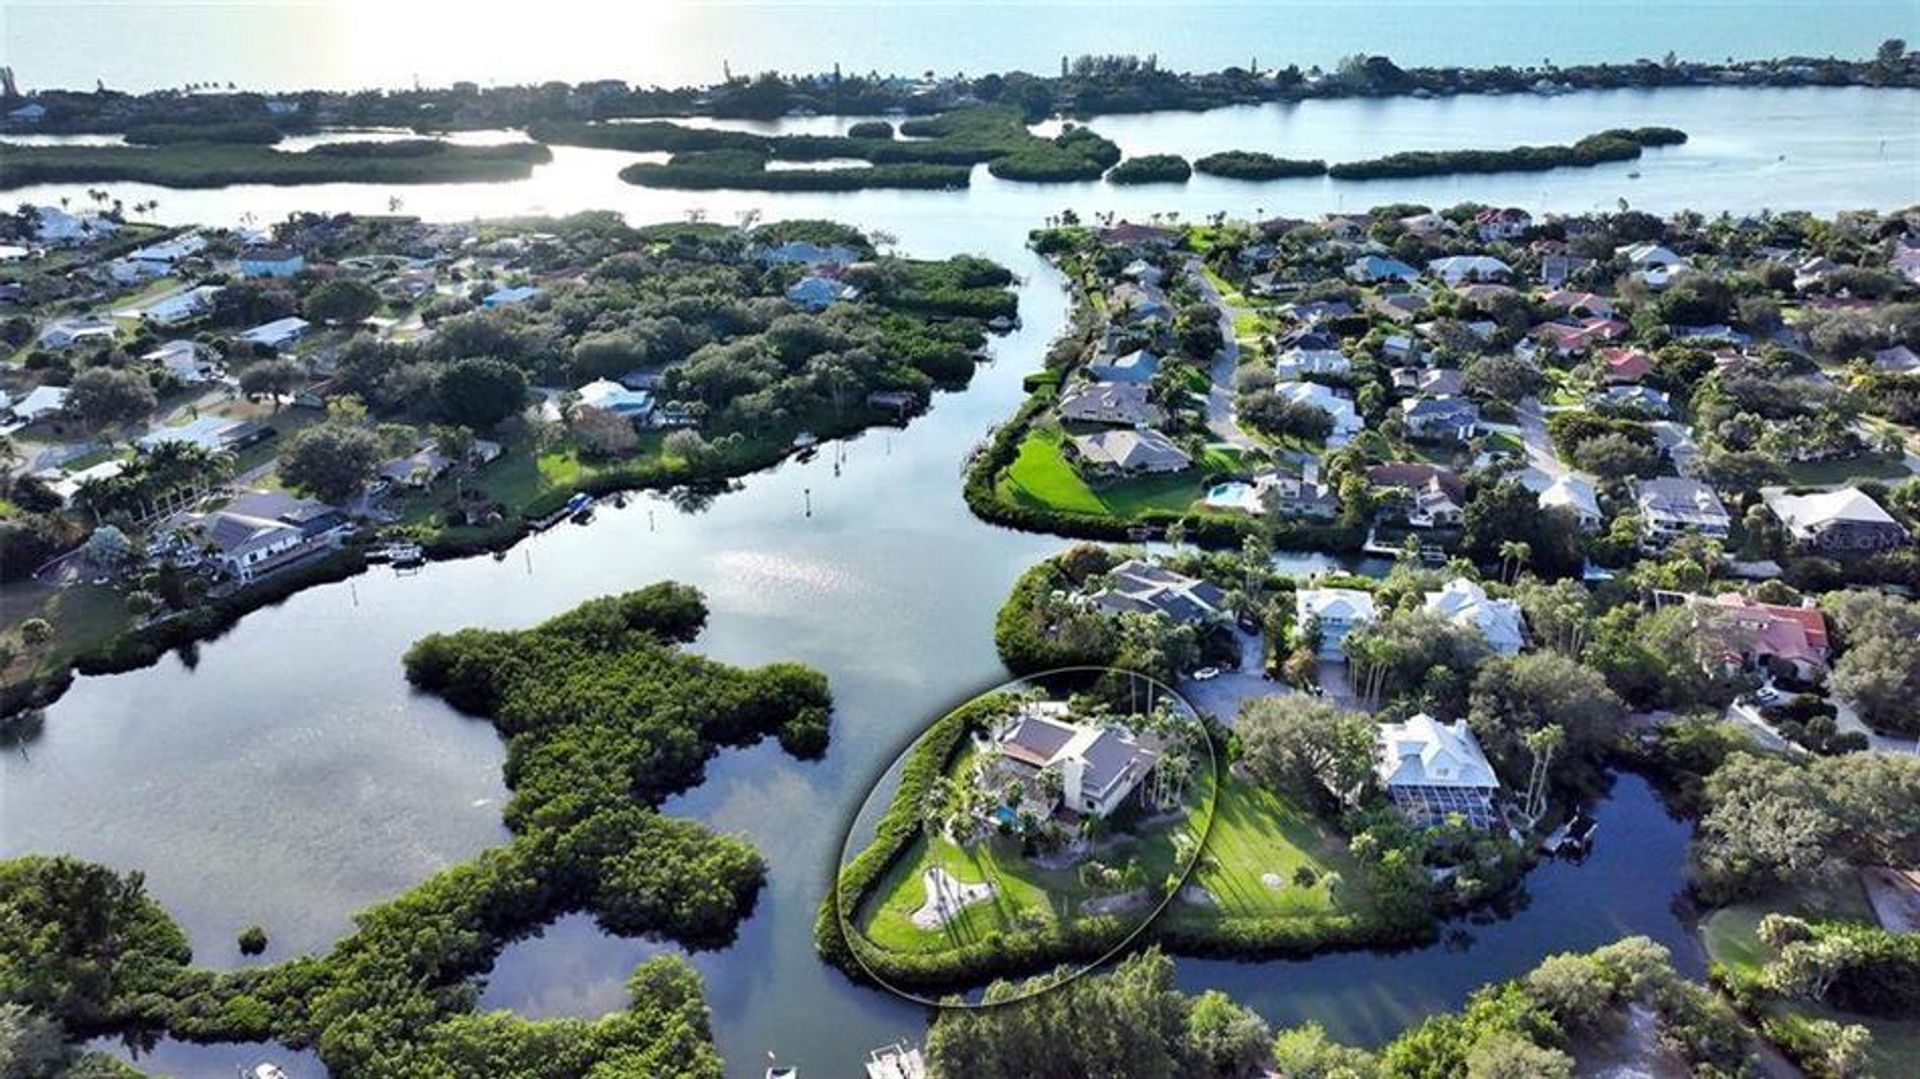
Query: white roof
(1348, 605)
(204, 432)
(170, 251)
(1571, 492)
(1467, 605)
(280, 329)
(1650, 254)
(1322, 398)
(42, 400)
(1803, 512)
(1425, 753)
(604, 393)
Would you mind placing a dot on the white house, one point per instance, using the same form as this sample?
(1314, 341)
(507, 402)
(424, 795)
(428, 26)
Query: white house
(65, 333)
(610, 396)
(1296, 363)
(1509, 223)
(817, 293)
(1368, 269)
(1336, 611)
(506, 297)
(1098, 767)
(279, 333)
(1434, 770)
(42, 402)
(1346, 421)
(1576, 496)
(58, 228)
(184, 360)
(212, 433)
(1458, 269)
(1467, 605)
(163, 256)
(1120, 403)
(1672, 505)
(182, 306)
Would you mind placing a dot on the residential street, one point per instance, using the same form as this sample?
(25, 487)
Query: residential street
(1223, 419)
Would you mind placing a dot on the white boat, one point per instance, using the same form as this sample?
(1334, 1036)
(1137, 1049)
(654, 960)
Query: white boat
(783, 1073)
(266, 1069)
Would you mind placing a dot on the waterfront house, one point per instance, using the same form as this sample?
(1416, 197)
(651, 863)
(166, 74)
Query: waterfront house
(55, 227)
(278, 334)
(1136, 237)
(1126, 452)
(31, 113)
(419, 470)
(1508, 223)
(1846, 521)
(1433, 771)
(1671, 506)
(1099, 767)
(1137, 586)
(1334, 612)
(1432, 496)
(271, 262)
(1137, 367)
(1288, 496)
(817, 293)
(1465, 604)
(1118, 403)
(263, 531)
(1131, 303)
(610, 396)
(799, 252)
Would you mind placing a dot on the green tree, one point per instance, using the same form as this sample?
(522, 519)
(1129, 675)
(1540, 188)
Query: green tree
(1229, 1039)
(102, 396)
(341, 302)
(331, 460)
(275, 377)
(479, 392)
(1301, 745)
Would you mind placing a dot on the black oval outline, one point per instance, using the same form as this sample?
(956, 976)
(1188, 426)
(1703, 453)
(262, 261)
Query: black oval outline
(846, 925)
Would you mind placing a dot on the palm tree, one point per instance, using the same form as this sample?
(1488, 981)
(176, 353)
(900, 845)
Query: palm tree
(1541, 744)
(1513, 555)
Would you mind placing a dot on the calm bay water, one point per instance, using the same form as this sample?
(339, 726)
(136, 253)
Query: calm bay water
(288, 777)
(352, 44)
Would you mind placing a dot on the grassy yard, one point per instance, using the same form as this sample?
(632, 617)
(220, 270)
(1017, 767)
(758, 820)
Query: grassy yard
(1024, 893)
(1867, 466)
(82, 616)
(1042, 477)
(1256, 833)
(1731, 938)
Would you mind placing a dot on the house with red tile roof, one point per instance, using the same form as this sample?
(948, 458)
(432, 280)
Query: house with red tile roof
(1626, 364)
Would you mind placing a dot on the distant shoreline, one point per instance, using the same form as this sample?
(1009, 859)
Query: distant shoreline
(1087, 87)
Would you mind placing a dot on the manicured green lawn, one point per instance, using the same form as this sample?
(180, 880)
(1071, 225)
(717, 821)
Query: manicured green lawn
(1257, 832)
(1731, 938)
(82, 616)
(1867, 466)
(1023, 892)
(1042, 477)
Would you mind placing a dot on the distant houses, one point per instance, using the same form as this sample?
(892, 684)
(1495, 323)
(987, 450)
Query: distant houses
(817, 293)
(1346, 421)
(509, 295)
(66, 333)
